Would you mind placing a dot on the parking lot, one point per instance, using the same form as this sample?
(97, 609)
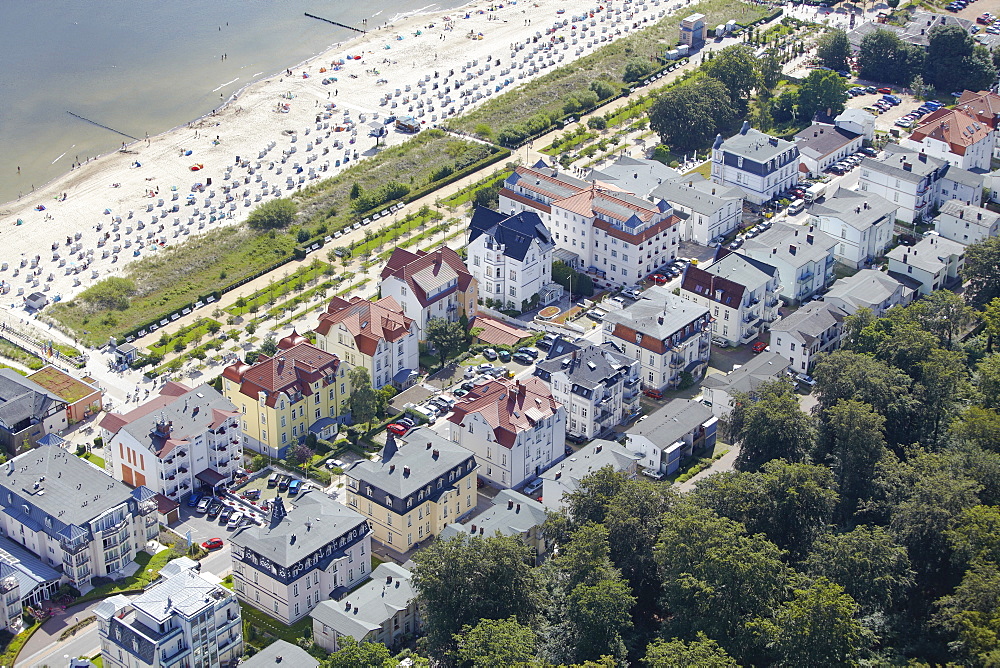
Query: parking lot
(885, 121)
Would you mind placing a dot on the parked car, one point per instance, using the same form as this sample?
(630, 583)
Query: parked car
(483, 368)
(884, 91)
(396, 429)
(576, 438)
(653, 394)
(226, 513)
(283, 484)
(235, 521)
(504, 355)
(213, 544)
(470, 372)
(203, 504)
(659, 279)
(522, 358)
(532, 487)
(759, 347)
(529, 351)
(294, 487)
(490, 354)
(335, 464)
(214, 510)
(805, 379)
(655, 475)
(193, 500)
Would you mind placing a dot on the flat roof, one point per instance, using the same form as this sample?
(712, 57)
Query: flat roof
(61, 384)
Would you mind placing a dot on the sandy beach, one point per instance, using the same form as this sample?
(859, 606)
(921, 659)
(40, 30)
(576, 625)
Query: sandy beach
(281, 133)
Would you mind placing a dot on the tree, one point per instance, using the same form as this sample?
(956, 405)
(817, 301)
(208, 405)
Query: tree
(867, 563)
(833, 50)
(821, 91)
(991, 319)
(976, 535)
(702, 652)
(818, 627)
(717, 579)
(791, 504)
(363, 401)
(496, 643)
(635, 69)
(574, 282)
(464, 580)
(978, 426)
(883, 56)
(953, 61)
(446, 336)
(768, 424)
(736, 67)
(769, 69)
(940, 376)
(592, 498)
(921, 90)
(852, 439)
(970, 614)
(689, 115)
(942, 313)
(269, 347)
(981, 262)
(272, 215)
(353, 654)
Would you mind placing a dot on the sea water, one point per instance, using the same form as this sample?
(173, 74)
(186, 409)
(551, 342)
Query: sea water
(144, 66)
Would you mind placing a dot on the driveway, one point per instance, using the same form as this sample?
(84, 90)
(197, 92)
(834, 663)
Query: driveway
(723, 463)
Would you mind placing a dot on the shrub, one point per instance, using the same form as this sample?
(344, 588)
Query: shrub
(635, 69)
(302, 236)
(272, 215)
(604, 89)
(597, 123)
(111, 293)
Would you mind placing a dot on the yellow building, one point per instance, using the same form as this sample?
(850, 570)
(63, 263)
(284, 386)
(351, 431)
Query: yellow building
(300, 390)
(417, 487)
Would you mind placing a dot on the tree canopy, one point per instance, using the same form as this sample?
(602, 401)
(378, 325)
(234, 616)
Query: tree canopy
(447, 336)
(274, 214)
(833, 49)
(689, 115)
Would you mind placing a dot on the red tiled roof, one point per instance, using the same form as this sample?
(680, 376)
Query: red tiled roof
(709, 283)
(368, 322)
(290, 371)
(113, 422)
(420, 268)
(983, 105)
(639, 238)
(509, 406)
(527, 201)
(589, 203)
(498, 332)
(292, 339)
(649, 343)
(956, 128)
(165, 504)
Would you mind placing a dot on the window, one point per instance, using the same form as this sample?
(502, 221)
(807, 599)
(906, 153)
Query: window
(475, 260)
(283, 421)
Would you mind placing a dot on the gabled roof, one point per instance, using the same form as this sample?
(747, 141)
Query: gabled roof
(587, 367)
(758, 370)
(368, 322)
(657, 316)
(983, 105)
(931, 253)
(703, 283)
(636, 175)
(592, 457)
(669, 424)
(428, 272)
(865, 289)
(755, 145)
(371, 605)
(794, 244)
(514, 233)
(859, 210)
(809, 322)
(497, 332)
(508, 406)
(974, 215)
(818, 140)
(281, 654)
(695, 192)
(512, 514)
(22, 400)
(731, 273)
(953, 127)
(289, 371)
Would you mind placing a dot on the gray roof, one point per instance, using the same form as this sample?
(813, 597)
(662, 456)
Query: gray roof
(859, 210)
(929, 253)
(592, 457)
(865, 289)
(755, 145)
(672, 422)
(29, 569)
(810, 321)
(757, 371)
(587, 365)
(369, 606)
(964, 177)
(73, 491)
(775, 242)
(635, 175)
(916, 31)
(893, 159)
(659, 313)
(22, 399)
(512, 514)
(819, 140)
(281, 653)
(698, 194)
(327, 520)
(971, 213)
(853, 114)
(746, 271)
(182, 591)
(389, 475)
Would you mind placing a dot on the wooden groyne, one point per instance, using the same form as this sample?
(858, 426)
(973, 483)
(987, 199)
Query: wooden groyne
(119, 132)
(341, 25)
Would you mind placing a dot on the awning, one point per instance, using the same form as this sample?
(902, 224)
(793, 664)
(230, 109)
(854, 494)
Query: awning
(165, 505)
(211, 477)
(403, 376)
(321, 424)
(693, 366)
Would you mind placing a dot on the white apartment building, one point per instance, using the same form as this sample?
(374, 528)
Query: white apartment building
(815, 328)
(803, 256)
(671, 434)
(72, 515)
(719, 388)
(515, 428)
(618, 236)
(186, 619)
(427, 285)
(862, 224)
(872, 289)
(821, 145)
(510, 257)
(965, 223)
(176, 443)
(301, 556)
(917, 182)
(757, 163)
(565, 477)
(740, 292)
(706, 209)
(954, 136)
(857, 121)
(667, 334)
(932, 264)
(597, 385)
(984, 106)
(375, 335)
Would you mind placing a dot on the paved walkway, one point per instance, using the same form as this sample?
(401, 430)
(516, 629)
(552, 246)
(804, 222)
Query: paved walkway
(44, 645)
(723, 463)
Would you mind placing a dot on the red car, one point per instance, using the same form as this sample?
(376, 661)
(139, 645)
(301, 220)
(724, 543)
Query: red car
(659, 279)
(885, 91)
(653, 394)
(397, 429)
(759, 347)
(213, 544)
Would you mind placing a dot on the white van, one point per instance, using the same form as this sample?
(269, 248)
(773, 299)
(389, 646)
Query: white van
(797, 206)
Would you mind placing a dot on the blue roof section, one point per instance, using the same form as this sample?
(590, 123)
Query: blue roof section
(515, 232)
(52, 439)
(31, 571)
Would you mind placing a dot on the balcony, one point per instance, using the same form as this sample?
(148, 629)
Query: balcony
(805, 277)
(676, 361)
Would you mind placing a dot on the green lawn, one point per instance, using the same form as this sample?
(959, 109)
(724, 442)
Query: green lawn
(94, 459)
(13, 648)
(149, 570)
(268, 625)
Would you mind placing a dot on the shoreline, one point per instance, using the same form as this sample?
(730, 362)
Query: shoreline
(261, 125)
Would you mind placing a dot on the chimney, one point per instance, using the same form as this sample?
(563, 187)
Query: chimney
(907, 167)
(406, 471)
(660, 319)
(480, 531)
(745, 128)
(392, 468)
(510, 504)
(518, 508)
(473, 528)
(713, 190)
(809, 239)
(791, 249)
(428, 445)
(435, 454)
(961, 213)
(598, 448)
(922, 157)
(796, 233)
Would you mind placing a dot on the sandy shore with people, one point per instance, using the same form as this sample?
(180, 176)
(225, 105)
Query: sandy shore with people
(280, 134)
